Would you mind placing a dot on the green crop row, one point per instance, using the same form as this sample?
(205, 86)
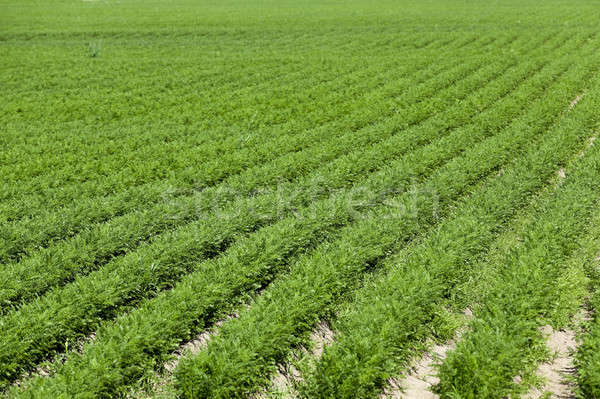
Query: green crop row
(23, 237)
(235, 80)
(504, 340)
(121, 166)
(115, 154)
(248, 265)
(152, 267)
(588, 353)
(47, 268)
(238, 360)
(394, 312)
(177, 252)
(121, 163)
(107, 139)
(230, 175)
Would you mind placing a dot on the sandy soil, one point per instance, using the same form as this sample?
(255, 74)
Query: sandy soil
(283, 381)
(423, 376)
(197, 344)
(576, 100)
(562, 344)
(558, 374)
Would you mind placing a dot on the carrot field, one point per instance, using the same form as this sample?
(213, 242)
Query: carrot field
(299, 199)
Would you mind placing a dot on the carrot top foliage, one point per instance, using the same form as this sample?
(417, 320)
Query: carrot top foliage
(259, 169)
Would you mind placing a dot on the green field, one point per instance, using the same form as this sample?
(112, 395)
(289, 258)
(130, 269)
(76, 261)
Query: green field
(298, 199)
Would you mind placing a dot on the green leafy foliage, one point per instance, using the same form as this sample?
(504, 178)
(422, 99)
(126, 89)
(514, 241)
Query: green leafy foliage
(166, 164)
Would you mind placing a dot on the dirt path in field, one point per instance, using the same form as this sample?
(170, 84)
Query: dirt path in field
(423, 376)
(288, 375)
(558, 374)
(576, 100)
(197, 344)
(562, 344)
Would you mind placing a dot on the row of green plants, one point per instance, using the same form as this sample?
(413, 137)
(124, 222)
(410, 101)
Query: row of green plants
(240, 358)
(86, 252)
(219, 139)
(533, 286)
(23, 237)
(134, 162)
(386, 322)
(251, 264)
(587, 357)
(153, 266)
(218, 81)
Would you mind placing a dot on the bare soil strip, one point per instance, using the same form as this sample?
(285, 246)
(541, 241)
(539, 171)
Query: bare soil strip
(195, 345)
(283, 382)
(423, 376)
(556, 373)
(559, 373)
(576, 100)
